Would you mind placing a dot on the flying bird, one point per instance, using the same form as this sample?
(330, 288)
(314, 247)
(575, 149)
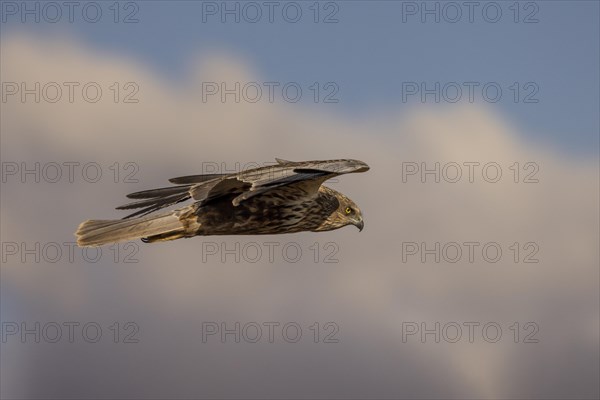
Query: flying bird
(284, 198)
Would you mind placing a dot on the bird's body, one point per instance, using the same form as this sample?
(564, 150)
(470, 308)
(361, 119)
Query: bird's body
(286, 198)
(283, 210)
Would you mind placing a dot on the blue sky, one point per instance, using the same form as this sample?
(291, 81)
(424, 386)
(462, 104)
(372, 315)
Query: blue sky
(371, 51)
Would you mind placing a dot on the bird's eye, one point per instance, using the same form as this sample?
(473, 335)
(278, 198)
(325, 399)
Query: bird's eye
(348, 210)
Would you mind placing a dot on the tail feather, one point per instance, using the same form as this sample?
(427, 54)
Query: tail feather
(99, 232)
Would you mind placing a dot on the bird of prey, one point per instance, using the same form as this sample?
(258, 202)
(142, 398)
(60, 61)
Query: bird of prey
(284, 198)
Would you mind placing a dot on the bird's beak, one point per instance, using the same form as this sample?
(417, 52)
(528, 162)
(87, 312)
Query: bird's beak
(360, 225)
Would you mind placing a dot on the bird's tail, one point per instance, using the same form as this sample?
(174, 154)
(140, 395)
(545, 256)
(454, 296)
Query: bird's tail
(153, 228)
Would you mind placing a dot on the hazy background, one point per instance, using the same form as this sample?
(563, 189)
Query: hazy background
(174, 289)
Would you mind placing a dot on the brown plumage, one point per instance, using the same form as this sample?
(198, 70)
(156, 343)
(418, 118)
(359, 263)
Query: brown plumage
(285, 198)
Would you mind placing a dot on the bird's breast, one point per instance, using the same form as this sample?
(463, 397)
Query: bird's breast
(277, 211)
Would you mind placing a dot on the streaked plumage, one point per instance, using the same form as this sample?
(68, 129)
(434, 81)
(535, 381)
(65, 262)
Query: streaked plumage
(285, 198)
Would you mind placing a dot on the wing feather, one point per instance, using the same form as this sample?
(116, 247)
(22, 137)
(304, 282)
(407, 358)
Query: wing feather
(192, 179)
(307, 176)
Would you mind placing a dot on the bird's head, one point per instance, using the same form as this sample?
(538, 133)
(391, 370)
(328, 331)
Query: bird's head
(346, 212)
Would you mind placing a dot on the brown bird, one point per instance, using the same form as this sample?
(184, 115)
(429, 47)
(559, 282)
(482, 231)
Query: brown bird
(284, 198)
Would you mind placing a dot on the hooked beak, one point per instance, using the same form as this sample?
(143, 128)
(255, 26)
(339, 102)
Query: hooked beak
(360, 225)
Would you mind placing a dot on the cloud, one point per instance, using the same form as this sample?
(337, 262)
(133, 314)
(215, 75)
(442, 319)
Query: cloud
(369, 293)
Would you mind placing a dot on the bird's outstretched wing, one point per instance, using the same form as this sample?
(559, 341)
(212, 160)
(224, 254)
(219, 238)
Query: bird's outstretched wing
(305, 175)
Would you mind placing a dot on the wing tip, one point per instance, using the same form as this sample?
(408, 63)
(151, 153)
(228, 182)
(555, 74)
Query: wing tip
(360, 166)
